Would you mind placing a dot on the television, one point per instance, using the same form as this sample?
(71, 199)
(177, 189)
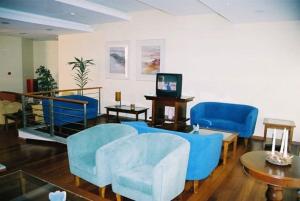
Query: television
(168, 85)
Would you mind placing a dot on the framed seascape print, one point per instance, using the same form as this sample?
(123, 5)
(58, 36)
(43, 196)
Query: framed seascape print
(150, 58)
(117, 60)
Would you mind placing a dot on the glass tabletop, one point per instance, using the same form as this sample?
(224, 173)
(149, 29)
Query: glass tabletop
(20, 185)
(226, 135)
(126, 107)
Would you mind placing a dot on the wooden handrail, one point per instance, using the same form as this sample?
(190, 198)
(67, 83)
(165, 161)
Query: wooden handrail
(60, 90)
(63, 90)
(58, 99)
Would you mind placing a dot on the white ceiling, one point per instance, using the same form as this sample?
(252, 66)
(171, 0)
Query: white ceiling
(45, 19)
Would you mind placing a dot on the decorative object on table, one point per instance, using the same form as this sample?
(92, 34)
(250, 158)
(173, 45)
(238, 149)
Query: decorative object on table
(58, 196)
(132, 106)
(281, 158)
(196, 129)
(117, 55)
(45, 80)
(2, 167)
(118, 98)
(150, 58)
(81, 71)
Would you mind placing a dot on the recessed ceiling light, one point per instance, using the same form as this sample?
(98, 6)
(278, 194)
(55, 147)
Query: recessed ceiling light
(49, 29)
(22, 33)
(5, 22)
(72, 13)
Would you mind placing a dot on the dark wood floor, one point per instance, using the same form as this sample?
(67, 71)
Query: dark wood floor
(49, 161)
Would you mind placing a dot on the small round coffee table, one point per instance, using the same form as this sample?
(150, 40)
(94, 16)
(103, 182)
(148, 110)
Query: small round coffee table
(277, 177)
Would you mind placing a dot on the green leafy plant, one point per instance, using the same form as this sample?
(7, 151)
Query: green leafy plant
(81, 70)
(45, 80)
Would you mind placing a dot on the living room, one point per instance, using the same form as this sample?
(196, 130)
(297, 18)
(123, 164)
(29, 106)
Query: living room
(239, 58)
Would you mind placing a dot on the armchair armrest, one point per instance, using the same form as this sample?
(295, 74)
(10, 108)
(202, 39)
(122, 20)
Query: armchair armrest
(106, 161)
(197, 112)
(169, 174)
(77, 146)
(204, 155)
(250, 122)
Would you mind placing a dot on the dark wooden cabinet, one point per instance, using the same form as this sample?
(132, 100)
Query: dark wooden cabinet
(159, 105)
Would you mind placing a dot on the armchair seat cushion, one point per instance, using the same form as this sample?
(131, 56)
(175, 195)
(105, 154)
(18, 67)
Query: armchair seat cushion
(138, 178)
(221, 124)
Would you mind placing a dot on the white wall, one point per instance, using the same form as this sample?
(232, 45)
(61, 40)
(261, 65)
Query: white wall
(11, 61)
(256, 64)
(45, 53)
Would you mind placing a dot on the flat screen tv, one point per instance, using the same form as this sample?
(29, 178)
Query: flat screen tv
(168, 85)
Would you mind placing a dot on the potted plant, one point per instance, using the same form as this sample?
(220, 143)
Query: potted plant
(81, 71)
(45, 80)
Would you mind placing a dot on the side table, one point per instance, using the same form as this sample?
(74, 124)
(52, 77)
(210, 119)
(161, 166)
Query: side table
(279, 124)
(126, 109)
(276, 177)
(228, 139)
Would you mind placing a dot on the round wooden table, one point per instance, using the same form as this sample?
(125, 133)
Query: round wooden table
(277, 177)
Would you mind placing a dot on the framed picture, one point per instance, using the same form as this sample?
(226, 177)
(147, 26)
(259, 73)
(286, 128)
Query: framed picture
(150, 58)
(117, 60)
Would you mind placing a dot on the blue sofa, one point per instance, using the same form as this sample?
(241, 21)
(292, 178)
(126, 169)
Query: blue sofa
(63, 116)
(237, 118)
(205, 150)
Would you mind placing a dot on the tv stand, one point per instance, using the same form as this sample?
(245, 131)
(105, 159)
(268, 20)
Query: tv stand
(159, 117)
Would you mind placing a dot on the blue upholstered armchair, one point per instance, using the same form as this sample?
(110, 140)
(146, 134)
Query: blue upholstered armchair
(205, 150)
(240, 119)
(66, 112)
(149, 167)
(82, 148)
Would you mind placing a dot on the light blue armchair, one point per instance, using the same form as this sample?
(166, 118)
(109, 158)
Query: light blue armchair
(82, 149)
(205, 150)
(148, 167)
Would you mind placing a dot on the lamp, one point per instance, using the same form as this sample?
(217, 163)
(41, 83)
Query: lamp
(118, 97)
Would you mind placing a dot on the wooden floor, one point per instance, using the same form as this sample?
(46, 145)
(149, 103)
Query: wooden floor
(49, 161)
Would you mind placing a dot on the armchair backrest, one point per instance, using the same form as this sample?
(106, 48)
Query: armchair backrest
(89, 140)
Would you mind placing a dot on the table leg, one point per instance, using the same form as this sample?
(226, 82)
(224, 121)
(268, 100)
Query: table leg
(118, 117)
(146, 116)
(225, 151)
(234, 146)
(6, 123)
(136, 117)
(291, 131)
(265, 132)
(274, 193)
(107, 115)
